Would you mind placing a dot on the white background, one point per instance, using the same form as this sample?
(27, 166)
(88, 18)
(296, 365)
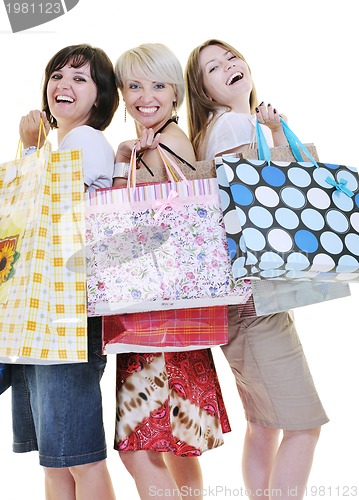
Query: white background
(304, 59)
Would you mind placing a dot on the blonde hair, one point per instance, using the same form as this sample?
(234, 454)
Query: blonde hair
(201, 110)
(151, 61)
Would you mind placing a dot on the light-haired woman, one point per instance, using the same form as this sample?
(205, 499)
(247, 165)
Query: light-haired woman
(169, 405)
(265, 353)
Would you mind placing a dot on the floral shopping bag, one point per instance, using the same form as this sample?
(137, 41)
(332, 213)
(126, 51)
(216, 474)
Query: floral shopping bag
(158, 246)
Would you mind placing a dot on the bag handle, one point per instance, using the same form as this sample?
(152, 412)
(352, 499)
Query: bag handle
(173, 171)
(169, 150)
(42, 130)
(182, 160)
(294, 143)
(13, 172)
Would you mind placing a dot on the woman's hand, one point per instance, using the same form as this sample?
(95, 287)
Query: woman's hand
(147, 140)
(269, 116)
(29, 128)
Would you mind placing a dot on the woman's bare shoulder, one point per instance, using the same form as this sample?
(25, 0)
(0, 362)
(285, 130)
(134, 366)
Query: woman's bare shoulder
(176, 139)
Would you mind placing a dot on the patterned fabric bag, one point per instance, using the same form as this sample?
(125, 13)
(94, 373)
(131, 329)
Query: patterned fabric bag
(269, 296)
(42, 259)
(293, 220)
(165, 331)
(158, 246)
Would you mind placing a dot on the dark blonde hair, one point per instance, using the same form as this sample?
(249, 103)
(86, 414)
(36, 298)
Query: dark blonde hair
(102, 73)
(201, 110)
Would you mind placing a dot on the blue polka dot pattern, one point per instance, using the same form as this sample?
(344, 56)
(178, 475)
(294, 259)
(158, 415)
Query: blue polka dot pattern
(306, 241)
(273, 176)
(232, 248)
(242, 195)
(284, 220)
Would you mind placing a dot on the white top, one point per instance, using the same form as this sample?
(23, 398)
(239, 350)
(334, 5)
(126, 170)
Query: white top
(232, 130)
(98, 155)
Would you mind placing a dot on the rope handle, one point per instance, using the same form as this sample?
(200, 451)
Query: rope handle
(20, 146)
(174, 173)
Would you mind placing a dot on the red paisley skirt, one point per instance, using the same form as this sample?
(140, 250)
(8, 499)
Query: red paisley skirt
(169, 402)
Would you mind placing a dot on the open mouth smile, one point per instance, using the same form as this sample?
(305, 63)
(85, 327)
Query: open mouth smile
(147, 110)
(64, 98)
(234, 78)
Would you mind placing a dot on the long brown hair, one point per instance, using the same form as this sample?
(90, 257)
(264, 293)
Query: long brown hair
(201, 110)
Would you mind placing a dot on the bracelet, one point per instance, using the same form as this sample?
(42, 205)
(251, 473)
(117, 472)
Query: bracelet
(121, 169)
(29, 150)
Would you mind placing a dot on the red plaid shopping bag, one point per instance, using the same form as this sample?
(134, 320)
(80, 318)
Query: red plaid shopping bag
(169, 330)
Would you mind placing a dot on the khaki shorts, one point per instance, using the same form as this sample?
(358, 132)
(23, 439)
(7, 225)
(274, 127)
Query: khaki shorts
(271, 371)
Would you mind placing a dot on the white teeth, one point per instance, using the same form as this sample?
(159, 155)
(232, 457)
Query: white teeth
(236, 76)
(147, 110)
(65, 98)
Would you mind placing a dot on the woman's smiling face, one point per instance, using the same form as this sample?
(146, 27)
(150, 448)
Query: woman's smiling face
(226, 77)
(71, 95)
(150, 103)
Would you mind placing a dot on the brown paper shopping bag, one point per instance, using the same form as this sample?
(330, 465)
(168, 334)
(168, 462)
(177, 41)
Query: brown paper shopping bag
(42, 224)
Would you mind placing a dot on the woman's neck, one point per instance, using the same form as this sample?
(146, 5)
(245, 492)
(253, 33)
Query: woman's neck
(241, 107)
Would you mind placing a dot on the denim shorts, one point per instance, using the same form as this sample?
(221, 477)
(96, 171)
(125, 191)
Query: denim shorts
(57, 409)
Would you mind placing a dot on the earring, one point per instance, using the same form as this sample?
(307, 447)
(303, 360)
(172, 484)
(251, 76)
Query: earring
(175, 111)
(125, 115)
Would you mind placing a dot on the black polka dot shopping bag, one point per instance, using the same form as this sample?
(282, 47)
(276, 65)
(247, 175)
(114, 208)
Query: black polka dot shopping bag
(295, 220)
(292, 225)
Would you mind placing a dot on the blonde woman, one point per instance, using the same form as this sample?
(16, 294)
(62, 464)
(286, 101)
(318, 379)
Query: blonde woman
(169, 405)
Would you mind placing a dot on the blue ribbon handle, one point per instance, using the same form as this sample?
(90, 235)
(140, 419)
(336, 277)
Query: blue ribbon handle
(262, 145)
(294, 143)
(340, 186)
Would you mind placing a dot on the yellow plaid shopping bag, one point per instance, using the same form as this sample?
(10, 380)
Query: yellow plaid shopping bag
(43, 313)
